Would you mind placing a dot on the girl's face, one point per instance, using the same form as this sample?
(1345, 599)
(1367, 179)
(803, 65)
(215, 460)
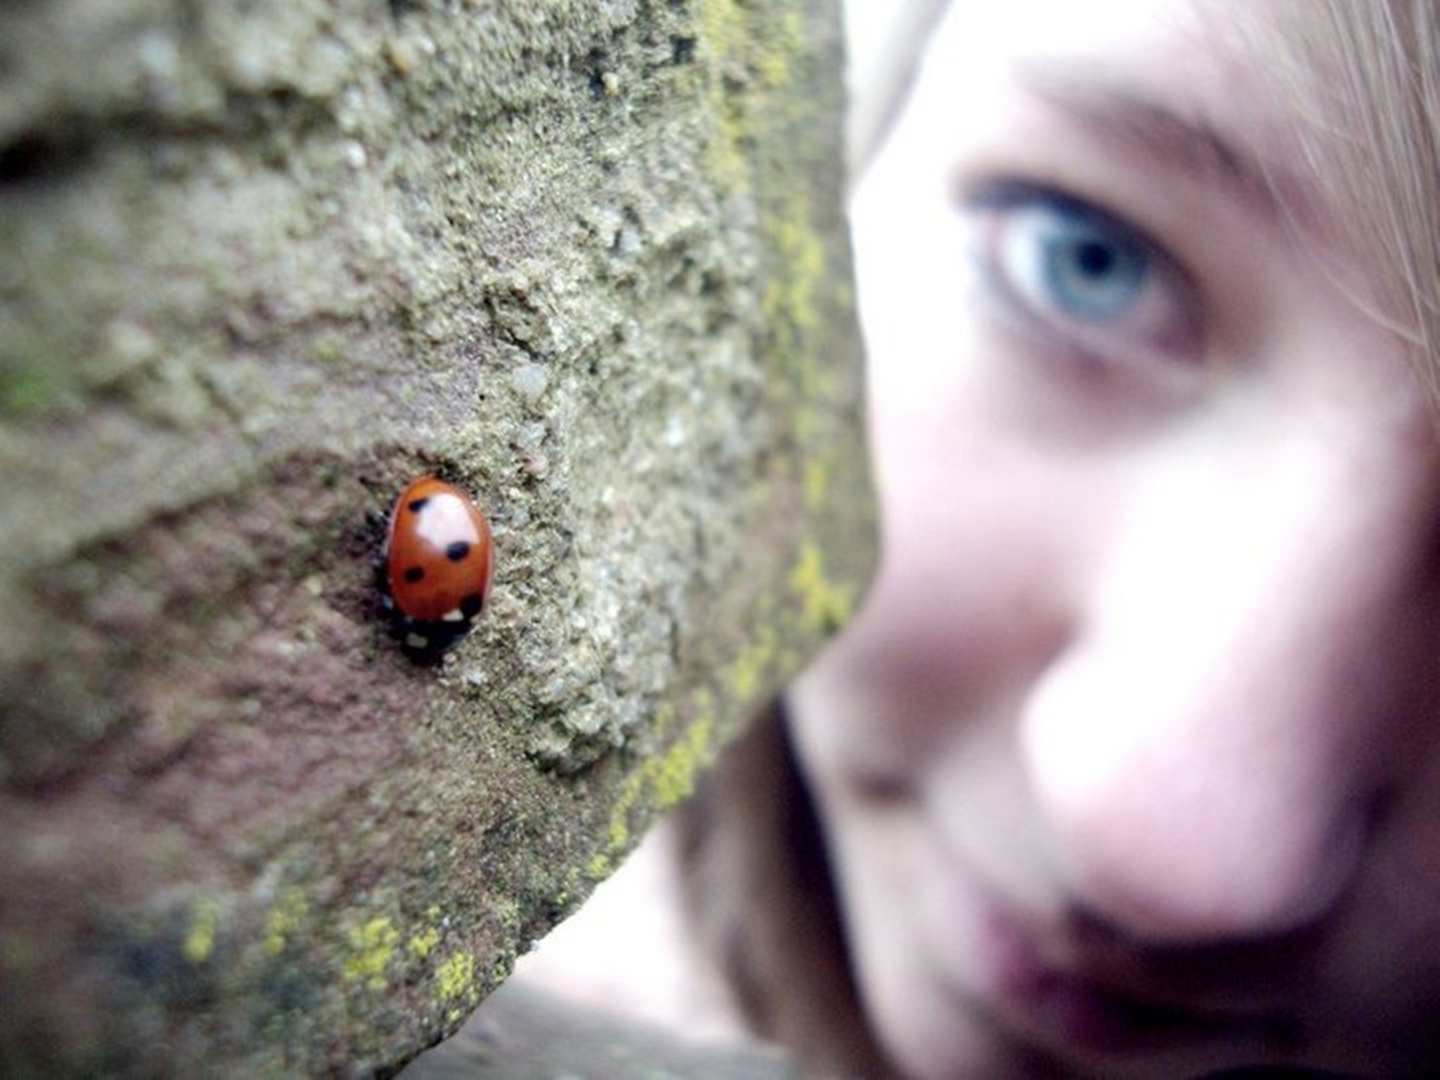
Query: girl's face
(1131, 764)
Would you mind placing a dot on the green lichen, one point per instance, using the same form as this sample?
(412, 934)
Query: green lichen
(331, 350)
(32, 382)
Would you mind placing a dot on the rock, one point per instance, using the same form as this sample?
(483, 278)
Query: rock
(265, 264)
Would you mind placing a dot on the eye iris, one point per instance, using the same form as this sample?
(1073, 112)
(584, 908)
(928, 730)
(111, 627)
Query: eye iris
(1089, 273)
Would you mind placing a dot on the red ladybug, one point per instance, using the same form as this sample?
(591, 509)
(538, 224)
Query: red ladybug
(439, 563)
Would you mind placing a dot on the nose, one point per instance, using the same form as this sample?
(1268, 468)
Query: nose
(1204, 752)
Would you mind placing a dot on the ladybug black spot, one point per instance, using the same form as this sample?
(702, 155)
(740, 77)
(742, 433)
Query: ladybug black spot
(414, 574)
(471, 605)
(416, 505)
(457, 551)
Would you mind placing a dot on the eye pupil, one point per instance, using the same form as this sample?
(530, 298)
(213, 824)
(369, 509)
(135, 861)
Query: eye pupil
(1095, 259)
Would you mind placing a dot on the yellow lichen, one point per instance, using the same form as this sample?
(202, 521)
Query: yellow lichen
(285, 918)
(723, 25)
(673, 772)
(752, 40)
(618, 838)
(793, 291)
(421, 944)
(817, 483)
(200, 939)
(798, 290)
(455, 984)
(825, 605)
(723, 30)
(782, 43)
(754, 660)
(660, 782)
(372, 947)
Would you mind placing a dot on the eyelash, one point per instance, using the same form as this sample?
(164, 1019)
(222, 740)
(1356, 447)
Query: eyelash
(1081, 280)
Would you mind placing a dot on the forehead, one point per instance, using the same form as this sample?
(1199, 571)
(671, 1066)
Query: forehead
(1170, 48)
(1173, 82)
(1066, 26)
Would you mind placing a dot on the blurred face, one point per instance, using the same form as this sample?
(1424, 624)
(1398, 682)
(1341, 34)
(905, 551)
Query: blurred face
(1131, 764)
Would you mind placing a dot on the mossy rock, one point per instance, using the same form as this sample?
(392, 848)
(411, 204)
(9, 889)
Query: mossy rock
(267, 262)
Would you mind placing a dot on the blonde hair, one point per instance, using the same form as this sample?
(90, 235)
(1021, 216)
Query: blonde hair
(1362, 80)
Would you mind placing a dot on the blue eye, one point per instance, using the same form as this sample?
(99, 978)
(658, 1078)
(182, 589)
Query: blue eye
(1086, 267)
(1082, 278)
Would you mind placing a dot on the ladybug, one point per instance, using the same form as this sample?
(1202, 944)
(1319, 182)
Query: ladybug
(439, 562)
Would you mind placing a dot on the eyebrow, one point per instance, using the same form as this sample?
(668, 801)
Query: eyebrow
(1182, 143)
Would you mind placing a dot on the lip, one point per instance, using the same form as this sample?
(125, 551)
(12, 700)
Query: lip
(1084, 1013)
(1056, 994)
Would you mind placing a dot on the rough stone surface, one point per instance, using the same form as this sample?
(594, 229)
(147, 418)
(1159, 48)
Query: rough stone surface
(522, 1034)
(264, 263)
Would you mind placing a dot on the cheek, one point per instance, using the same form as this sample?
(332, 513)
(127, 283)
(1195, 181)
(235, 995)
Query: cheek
(983, 534)
(982, 547)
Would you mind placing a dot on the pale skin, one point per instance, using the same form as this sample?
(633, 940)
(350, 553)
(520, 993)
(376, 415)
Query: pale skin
(1130, 765)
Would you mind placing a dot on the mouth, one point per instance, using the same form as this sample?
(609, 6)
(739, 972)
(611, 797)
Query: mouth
(1075, 991)
(1076, 1010)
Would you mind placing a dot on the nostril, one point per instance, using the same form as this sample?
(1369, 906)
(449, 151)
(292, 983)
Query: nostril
(1336, 868)
(1338, 862)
